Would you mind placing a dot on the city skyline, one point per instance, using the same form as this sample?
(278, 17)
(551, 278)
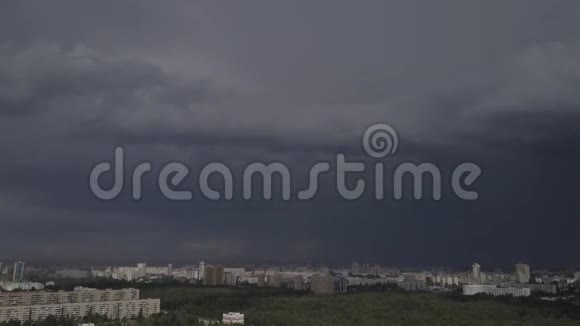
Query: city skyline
(142, 293)
(9, 266)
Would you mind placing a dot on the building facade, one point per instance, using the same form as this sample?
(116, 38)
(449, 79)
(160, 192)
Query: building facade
(219, 275)
(494, 290)
(18, 272)
(233, 318)
(210, 276)
(522, 273)
(115, 304)
(542, 288)
(201, 273)
(476, 272)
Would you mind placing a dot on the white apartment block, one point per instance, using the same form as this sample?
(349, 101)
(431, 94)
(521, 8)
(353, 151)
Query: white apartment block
(494, 290)
(116, 304)
(233, 318)
(446, 280)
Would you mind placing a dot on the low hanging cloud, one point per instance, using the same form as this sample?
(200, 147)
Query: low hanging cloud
(536, 100)
(80, 91)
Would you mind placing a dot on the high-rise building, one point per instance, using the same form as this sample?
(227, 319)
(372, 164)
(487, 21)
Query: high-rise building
(141, 270)
(522, 273)
(1, 271)
(170, 270)
(219, 275)
(482, 278)
(201, 273)
(476, 272)
(18, 272)
(210, 277)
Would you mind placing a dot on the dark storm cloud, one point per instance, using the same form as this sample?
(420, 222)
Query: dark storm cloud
(492, 82)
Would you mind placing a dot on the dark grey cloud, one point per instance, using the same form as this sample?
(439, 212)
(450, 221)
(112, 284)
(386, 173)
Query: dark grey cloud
(493, 82)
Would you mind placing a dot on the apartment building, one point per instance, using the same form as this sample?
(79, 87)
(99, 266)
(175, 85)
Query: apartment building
(116, 304)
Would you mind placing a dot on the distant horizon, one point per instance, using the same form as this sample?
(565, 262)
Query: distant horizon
(177, 264)
(412, 133)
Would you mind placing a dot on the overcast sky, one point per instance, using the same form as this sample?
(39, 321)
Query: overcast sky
(491, 82)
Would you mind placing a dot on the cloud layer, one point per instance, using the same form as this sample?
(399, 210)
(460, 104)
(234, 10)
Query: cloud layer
(495, 83)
